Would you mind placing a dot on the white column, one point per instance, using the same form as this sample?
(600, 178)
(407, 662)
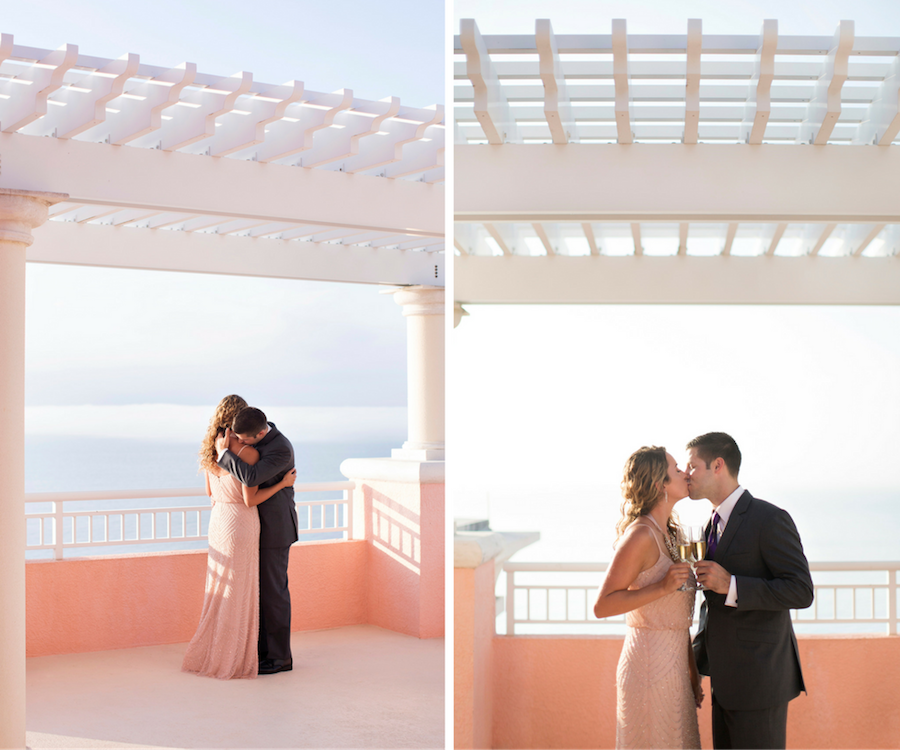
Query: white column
(20, 212)
(423, 307)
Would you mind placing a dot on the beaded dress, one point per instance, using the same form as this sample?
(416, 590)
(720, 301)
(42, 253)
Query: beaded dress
(225, 644)
(654, 700)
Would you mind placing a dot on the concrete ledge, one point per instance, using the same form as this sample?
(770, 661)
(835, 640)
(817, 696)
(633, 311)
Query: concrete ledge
(394, 470)
(473, 548)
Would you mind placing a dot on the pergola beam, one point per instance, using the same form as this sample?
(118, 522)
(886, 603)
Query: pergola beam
(825, 106)
(491, 107)
(728, 184)
(759, 105)
(620, 78)
(882, 121)
(95, 174)
(557, 109)
(692, 81)
(194, 252)
(591, 239)
(717, 280)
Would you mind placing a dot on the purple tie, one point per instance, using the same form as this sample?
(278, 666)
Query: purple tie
(713, 540)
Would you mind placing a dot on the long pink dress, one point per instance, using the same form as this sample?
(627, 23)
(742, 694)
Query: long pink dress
(225, 644)
(655, 702)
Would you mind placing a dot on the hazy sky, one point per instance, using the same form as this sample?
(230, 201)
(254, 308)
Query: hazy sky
(383, 49)
(800, 17)
(114, 337)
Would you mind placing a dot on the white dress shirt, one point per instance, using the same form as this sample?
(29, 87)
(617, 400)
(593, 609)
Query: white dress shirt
(724, 510)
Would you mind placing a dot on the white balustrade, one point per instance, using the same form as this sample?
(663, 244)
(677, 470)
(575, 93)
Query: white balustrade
(559, 598)
(61, 529)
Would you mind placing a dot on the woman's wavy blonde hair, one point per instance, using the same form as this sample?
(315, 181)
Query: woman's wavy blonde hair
(224, 416)
(643, 486)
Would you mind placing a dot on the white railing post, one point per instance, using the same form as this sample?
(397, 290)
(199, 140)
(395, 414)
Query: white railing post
(892, 601)
(510, 602)
(348, 517)
(57, 530)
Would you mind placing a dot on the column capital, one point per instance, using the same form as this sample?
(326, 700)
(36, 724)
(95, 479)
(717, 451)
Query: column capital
(419, 300)
(23, 210)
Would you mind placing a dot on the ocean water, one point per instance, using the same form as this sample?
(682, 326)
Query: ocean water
(57, 464)
(577, 525)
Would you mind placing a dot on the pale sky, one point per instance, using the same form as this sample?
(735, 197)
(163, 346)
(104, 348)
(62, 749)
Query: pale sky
(116, 337)
(800, 17)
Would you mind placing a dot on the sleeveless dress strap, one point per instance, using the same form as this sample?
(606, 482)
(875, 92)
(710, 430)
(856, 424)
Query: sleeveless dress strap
(662, 549)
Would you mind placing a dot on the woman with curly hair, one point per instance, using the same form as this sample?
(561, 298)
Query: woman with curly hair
(225, 644)
(657, 685)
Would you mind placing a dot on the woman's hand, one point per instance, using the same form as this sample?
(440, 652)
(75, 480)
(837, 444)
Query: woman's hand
(676, 576)
(223, 442)
(289, 478)
(698, 690)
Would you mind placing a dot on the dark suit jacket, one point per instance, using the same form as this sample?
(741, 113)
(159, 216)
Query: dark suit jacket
(750, 652)
(277, 515)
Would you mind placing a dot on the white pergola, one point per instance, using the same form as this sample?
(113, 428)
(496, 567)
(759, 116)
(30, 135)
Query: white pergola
(175, 169)
(118, 163)
(683, 168)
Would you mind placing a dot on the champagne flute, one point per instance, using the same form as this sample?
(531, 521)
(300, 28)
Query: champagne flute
(698, 547)
(685, 553)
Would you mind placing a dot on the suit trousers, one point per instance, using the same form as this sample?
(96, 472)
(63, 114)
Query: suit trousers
(762, 729)
(274, 604)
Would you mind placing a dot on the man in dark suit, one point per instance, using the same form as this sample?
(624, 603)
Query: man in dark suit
(277, 530)
(755, 572)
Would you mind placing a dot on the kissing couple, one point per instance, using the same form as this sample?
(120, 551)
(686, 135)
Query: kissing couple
(753, 573)
(245, 625)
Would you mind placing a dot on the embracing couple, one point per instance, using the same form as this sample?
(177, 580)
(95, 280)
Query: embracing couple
(753, 574)
(245, 625)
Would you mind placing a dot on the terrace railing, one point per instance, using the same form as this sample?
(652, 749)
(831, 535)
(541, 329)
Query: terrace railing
(558, 598)
(59, 528)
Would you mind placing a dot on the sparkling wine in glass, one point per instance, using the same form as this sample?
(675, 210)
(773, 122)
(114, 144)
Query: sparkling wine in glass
(698, 549)
(685, 553)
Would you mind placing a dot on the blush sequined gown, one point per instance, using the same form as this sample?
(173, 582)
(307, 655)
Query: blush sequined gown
(654, 699)
(225, 644)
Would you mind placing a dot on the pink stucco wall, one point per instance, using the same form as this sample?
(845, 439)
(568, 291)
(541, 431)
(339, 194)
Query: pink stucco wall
(405, 563)
(473, 645)
(559, 692)
(100, 603)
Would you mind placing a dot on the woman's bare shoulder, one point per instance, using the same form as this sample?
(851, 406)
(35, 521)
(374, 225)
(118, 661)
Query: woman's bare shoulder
(247, 453)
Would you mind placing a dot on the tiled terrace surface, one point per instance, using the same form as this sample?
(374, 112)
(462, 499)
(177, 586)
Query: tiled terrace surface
(356, 686)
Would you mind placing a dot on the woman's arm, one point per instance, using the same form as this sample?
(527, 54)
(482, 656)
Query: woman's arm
(253, 496)
(208, 488)
(637, 552)
(696, 679)
(246, 453)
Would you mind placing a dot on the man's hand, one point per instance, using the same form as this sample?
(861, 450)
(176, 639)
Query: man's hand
(222, 442)
(713, 576)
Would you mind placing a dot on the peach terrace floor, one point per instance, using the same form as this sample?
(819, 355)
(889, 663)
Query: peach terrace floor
(356, 686)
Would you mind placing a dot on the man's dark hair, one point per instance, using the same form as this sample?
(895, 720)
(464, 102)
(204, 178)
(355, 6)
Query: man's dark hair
(715, 445)
(249, 421)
